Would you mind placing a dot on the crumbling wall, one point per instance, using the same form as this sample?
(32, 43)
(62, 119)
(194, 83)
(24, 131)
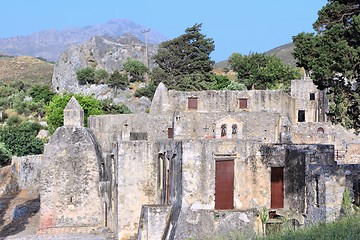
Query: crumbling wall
(70, 196)
(26, 171)
(326, 185)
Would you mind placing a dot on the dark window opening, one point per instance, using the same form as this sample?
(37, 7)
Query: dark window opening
(223, 130)
(301, 116)
(320, 130)
(356, 190)
(170, 132)
(317, 204)
(192, 103)
(138, 136)
(243, 103)
(312, 96)
(234, 129)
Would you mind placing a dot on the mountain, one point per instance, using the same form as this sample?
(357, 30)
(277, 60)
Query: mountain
(27, 69)
(49, 44)
(284, 52)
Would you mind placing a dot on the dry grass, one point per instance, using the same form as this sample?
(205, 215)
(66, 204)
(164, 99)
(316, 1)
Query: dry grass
(30, 70)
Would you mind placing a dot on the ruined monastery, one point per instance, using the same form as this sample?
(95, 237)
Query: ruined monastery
(199, 164)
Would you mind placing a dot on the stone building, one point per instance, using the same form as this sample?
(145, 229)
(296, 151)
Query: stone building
(200, 163)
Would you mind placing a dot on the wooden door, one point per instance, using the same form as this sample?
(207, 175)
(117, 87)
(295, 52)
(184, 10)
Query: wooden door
(224, 184)
(277, 187)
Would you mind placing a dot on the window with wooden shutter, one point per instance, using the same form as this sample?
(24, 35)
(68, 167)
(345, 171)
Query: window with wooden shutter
(170, 132)
(243, 103)
(192, 103)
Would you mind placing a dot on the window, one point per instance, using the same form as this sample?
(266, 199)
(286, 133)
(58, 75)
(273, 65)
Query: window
(312, 96)
(243, 103)
(301, 116)
(192, 103)
(223, 130)
(317, 202)
(138, 136)
(320, 130)
(234, 129)
(170, 133)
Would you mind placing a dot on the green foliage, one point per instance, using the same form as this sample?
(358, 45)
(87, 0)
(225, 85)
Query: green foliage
(41, 93)
(136, 69)
(236, 86)
(21, 139)
(86, 75)
(109, 107)
(5, 155)
(6, 91)
(118, 80)
(184, 62)
(13, 120)
(147, 91)
(260, 71)
(101, 76)
(332, 58)
(346, 204)
(55, 109)
(220, 82)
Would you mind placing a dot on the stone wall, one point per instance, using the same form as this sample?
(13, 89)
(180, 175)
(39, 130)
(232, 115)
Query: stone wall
(153, 220)
(137, 184)
(26, 171)
(70, 181)
(326, 185)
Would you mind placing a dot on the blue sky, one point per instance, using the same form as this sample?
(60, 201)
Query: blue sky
(235, 25)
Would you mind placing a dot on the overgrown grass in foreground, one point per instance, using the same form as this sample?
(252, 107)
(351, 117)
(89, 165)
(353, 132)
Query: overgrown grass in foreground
(346, 228)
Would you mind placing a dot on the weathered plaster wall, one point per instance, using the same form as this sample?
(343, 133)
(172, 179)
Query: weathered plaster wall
(70, 180)
(187, 125)
(346, 142)
(153, 220)
(26, 171)
(326, 185)
(137, 176)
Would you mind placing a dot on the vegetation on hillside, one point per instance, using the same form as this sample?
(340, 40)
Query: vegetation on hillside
(332, 58)
(90, 105)
(259, 71)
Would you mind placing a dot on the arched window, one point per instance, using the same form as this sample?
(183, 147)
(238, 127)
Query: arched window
(234, 129)
(223, 130)
(320, 130)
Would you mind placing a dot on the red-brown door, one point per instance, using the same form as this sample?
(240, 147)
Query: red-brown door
(277, 187)
(224, 184)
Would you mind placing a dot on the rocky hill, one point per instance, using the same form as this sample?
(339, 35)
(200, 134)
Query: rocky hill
(99, 52)
(49, 44)
(26, 69)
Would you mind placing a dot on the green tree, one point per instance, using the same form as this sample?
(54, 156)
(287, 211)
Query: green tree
(220, 82)
(261, 71)
(55, 109)
(21, 139)
(184, 62)
(118, 80)
(135, 69)
(41, 93)
(109, 107)
(101, 76)
(5, 155)
(86, 75)
(331, 56)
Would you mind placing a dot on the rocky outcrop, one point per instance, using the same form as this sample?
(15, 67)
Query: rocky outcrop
(99, 52)
(102, 53)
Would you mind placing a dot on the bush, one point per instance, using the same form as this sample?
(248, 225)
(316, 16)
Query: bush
(21, 139)
(5, 155)
(147, 91)
(101, 76)
(55, 109)
(112, 108)
(86, 75)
